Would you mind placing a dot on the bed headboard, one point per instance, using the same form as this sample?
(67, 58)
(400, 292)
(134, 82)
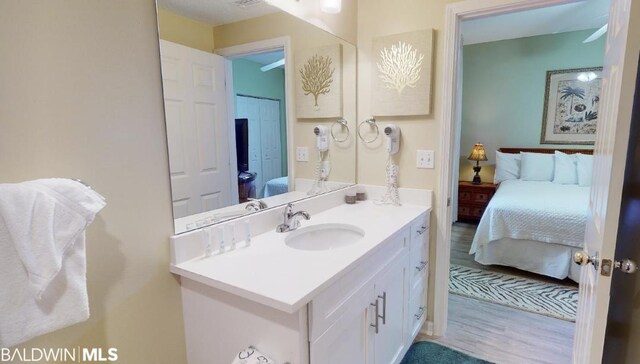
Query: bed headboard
(544, 150)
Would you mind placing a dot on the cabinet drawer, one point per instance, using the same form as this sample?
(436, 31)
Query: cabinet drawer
(464, 196)
(417, 308)
(334, 301)
(481, 197)
(474, 212)
(419, 265)
(419, 261)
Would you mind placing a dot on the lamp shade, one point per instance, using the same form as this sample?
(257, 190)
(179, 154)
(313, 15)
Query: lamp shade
(478, 153)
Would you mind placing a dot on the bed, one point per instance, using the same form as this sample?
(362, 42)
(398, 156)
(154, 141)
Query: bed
(276, 186)
(535, 226)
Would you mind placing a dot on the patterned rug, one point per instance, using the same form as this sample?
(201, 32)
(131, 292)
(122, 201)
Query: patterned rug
(544, 298)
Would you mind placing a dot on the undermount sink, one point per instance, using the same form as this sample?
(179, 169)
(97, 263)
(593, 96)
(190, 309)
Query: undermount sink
(324, 237)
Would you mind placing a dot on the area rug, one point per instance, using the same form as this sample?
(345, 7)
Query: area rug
(549, 299)
(425, 352)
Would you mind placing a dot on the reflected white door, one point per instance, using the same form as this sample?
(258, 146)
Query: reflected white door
(270, 134)
(621, 61)
(197, 129)
(248, 108)
(265, 146)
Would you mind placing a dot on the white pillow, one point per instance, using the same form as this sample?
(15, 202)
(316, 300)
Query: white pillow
(566, 169)
(507, 167)
(585, 169)
(537, 167)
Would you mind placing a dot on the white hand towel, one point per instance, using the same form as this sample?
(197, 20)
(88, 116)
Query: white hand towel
(42, 260)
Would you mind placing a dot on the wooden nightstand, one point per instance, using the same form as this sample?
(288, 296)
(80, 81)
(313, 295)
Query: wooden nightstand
(473, 199)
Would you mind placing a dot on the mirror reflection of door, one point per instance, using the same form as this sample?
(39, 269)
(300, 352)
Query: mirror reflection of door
(196, 116)
(259, 88)
(265, 145)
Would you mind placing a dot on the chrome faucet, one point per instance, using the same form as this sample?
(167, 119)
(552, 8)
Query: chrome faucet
(291, 221)
(255, 205)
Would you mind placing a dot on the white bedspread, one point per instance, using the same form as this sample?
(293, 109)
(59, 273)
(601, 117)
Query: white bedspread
(542, 211)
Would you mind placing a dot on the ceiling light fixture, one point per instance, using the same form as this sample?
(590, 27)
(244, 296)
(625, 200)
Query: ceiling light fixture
(331, 6)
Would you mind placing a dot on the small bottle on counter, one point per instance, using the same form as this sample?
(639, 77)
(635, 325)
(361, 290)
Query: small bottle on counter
(350, 199)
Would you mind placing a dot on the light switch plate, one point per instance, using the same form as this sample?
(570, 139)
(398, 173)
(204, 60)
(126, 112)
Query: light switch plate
(424, 158)
(302, 154)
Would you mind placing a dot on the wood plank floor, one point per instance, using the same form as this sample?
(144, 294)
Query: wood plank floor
(498, 333)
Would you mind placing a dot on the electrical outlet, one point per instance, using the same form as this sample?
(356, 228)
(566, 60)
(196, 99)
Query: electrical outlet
(302, 154)
(424, 158)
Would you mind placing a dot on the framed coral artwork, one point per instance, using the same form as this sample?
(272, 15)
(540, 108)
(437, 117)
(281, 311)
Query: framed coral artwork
(319, 82)
(571, 105)
(402, 74)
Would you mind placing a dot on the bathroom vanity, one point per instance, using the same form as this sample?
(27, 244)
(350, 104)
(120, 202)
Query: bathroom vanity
(359, 302)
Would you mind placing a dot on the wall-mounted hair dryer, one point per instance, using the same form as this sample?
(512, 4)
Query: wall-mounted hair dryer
(322, 137)
(392, 134)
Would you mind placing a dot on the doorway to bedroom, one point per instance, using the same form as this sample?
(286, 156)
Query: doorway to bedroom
(260, 124)
(530, 97)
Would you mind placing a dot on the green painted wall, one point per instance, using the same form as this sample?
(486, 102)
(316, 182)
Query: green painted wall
(503, 90)
(248, 80)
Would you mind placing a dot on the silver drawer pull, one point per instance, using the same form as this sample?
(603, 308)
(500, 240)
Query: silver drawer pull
(423, 228)
(420, 313)
(422, 266)
(384, 307)
(376, 325)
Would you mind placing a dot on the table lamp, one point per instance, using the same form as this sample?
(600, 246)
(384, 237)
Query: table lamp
(477, 154)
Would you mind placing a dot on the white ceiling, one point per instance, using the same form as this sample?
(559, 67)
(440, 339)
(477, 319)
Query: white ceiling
(265, 58)
(218, 12)
(581, 15)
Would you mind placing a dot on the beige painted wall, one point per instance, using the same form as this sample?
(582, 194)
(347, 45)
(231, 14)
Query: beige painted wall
(382, 17)
(81, 97)
(186, 31)
(304, 36)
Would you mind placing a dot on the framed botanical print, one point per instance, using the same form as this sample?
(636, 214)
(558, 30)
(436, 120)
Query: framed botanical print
(571, 105)
(401, 79)
(319, 82)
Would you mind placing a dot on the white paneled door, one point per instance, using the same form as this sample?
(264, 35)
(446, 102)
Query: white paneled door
(620, 64)
(265, 145)
(197, 129)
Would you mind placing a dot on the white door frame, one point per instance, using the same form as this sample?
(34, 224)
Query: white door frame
(262, 46)
(455, 14)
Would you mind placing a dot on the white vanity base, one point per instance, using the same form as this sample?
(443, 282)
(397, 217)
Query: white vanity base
(218, 325)
(315, 307)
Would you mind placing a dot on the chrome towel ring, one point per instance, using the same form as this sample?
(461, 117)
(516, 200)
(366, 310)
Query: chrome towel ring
(342, 122)
(372, 123)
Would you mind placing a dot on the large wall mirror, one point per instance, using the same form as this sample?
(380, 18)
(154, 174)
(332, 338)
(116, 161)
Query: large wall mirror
(260, 108)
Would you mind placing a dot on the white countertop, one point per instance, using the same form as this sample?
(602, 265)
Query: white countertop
(271, 273)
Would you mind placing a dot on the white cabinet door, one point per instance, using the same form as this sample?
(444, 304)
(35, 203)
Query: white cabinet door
(197, 129)
(391, 289)
(347, 341)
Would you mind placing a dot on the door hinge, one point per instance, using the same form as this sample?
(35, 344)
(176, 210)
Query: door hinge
(448, 201)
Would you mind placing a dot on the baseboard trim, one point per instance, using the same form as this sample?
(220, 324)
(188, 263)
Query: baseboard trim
(429, 328)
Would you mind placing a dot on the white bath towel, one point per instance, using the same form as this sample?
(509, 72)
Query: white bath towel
(42, 256)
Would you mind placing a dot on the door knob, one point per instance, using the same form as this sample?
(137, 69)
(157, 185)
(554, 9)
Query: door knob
(627, 266)
(582, 258)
